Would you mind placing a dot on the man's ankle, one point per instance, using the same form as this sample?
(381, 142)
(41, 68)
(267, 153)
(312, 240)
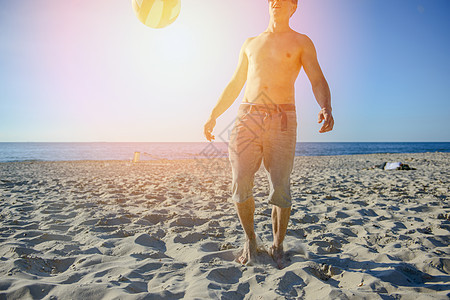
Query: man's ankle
(277, 247)
(252, 237)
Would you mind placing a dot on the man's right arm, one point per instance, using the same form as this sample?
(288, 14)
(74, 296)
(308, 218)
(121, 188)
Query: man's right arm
(231, 92)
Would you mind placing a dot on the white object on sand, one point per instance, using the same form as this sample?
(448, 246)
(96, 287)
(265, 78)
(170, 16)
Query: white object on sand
(392, 165)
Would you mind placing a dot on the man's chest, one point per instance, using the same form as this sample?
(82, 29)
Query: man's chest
(274, 49)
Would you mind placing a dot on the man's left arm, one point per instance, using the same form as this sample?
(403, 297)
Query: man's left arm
(319, 84)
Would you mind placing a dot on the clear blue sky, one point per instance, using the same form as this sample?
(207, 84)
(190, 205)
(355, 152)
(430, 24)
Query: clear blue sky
(89, 71)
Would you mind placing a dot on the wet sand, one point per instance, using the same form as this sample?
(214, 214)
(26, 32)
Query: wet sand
(167, 230)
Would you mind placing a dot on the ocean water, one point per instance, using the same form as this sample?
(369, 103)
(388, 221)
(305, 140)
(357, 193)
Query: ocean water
(10, 152)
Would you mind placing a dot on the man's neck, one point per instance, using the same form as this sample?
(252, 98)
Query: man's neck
(278, 26)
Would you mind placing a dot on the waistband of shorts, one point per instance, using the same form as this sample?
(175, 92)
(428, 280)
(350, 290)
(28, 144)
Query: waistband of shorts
(269, 107)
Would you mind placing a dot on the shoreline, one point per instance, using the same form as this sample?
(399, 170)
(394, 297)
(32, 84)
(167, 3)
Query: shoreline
(166, 229)
(173, 151)
(205, 158)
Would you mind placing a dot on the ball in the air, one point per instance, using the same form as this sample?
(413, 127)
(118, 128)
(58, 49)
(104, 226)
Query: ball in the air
(156, 13)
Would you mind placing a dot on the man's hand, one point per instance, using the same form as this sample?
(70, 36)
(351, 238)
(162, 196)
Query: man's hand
(326, 116)
(208, 128)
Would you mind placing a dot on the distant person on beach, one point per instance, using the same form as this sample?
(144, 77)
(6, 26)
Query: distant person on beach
(266, 127)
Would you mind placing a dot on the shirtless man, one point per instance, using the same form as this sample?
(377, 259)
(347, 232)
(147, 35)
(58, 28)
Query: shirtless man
(266, 127)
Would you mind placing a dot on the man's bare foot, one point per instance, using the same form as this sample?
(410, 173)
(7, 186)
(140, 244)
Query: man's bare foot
(249, 253)
(277, 254)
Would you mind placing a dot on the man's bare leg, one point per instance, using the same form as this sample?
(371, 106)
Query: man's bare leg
(280, 220)
(246, 212)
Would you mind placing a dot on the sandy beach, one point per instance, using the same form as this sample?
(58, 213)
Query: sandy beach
(167, 230)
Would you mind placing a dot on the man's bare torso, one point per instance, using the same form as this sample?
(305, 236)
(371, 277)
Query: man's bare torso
(274, 62)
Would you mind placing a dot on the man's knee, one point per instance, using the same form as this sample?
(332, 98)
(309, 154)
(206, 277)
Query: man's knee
(247, 201)
(280, 198)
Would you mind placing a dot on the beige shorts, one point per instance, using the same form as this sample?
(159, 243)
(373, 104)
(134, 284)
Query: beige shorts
(263, 135)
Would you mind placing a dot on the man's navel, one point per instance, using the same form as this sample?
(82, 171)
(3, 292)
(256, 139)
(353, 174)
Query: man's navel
(288, 55)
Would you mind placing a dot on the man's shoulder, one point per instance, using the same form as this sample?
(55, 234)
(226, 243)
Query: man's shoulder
(301, 37)
(249, 39)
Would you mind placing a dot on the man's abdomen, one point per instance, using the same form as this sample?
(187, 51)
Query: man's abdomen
(264, 90)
